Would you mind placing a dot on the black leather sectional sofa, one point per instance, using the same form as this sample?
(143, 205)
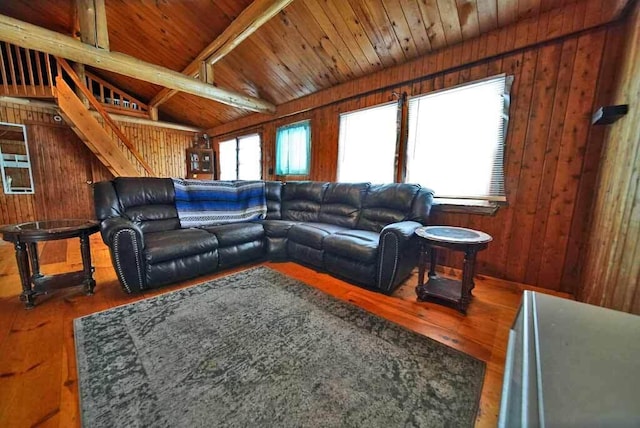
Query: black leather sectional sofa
(360, 232)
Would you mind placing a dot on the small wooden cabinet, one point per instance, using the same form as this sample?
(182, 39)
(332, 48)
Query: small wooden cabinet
(201, 164)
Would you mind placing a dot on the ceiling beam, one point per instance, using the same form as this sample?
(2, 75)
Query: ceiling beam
(92, 17)
(251, 18)
(33, 37)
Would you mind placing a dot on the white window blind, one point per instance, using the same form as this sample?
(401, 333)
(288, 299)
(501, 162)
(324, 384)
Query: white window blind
(228, 152)
(241, 158)
(367, 145)
(456, 140)
(249, 158)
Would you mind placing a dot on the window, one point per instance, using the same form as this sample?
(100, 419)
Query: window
(241, 158)
(456, 140)
(293, 146)
(367, 145)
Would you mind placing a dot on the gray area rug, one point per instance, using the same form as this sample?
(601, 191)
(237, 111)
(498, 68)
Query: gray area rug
(257, 348)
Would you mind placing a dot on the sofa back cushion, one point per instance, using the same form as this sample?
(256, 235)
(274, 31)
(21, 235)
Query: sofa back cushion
(385, 204)
(273, 191)
(149, 202)
(105, 200)
(342, 203)
(422, 206)
(301, 200)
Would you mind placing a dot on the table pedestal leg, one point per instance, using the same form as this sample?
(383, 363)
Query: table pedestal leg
(433, 257)
(85, 250)
(468, 270)
(22, 259)
(421, 264)
(35, 262)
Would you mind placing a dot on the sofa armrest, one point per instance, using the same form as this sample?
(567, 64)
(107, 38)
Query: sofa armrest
(126, 244)
(111, 226)
(398, 255)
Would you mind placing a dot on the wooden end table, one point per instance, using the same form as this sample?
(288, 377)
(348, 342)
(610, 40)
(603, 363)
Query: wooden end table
(443, 290)
(25, 238)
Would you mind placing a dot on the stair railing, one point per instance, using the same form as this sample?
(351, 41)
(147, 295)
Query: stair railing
(64, 65)
(25, 72)
(113, 99)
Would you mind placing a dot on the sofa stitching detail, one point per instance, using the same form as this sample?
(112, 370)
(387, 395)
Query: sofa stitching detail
(136, 256)
(395, 261)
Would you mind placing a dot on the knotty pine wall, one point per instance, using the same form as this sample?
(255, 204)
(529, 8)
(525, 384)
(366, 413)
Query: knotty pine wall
(612, 263)
(62, 164)
(551, 159)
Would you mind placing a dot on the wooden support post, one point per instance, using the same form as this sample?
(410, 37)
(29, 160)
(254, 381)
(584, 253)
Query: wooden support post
(79, 69)
(206, 72)
(92, 18)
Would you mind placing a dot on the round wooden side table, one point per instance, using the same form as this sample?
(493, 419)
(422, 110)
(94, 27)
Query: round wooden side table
(25, 238)
(443, 290)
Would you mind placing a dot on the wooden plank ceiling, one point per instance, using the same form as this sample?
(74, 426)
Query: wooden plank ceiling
(311, 45)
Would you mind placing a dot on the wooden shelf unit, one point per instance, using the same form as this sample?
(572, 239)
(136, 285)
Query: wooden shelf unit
(201, 164)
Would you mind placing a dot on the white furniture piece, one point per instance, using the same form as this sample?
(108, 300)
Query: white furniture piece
(571, 364)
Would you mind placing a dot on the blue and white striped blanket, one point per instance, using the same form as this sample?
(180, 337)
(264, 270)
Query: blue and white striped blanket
(206, 203)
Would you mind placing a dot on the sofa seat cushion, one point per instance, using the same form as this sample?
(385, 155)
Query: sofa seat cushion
(174, 244)
(278, 228)
(312, 234)
(360, 245)
(236, 233)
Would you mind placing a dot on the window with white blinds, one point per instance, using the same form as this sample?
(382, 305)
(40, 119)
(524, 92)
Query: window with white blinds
(367, 145)
(228, 164)
(456, 140)
(241, 158)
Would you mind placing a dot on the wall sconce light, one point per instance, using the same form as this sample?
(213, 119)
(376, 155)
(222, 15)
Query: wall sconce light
(606, 115)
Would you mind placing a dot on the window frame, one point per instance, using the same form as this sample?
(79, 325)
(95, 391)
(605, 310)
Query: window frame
(307, 171)
(396, 143)
(487, 204)
(237, 153)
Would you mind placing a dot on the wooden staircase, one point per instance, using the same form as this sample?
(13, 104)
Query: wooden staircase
(91, 132)
(32, 74)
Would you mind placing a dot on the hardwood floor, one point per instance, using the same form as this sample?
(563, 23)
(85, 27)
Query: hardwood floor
(38, 380)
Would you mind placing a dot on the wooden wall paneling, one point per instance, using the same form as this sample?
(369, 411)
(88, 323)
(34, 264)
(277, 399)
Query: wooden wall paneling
(612, 270)
(579, 234)
(20, 208)
(522, 92)
(571, 156)
(554, 139)
(63, 169)
(532, 213)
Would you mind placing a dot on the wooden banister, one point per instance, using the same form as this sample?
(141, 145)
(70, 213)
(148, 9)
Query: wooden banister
(115, 100)
(103, 113)
(22, 71)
